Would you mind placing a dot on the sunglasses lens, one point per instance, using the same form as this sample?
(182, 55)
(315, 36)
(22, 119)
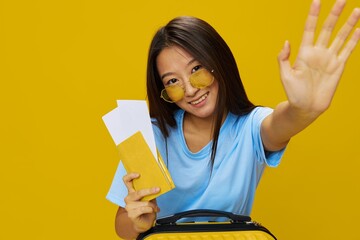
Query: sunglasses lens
(201, 78)
(172, 93)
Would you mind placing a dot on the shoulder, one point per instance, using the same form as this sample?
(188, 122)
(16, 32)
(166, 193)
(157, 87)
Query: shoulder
(178, 116)
(245, 123)
(256, 115)
(260, 113)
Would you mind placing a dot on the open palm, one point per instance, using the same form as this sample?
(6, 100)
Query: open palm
(311, 82)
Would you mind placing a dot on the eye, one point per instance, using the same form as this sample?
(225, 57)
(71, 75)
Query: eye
(196, 68)
(171, 82)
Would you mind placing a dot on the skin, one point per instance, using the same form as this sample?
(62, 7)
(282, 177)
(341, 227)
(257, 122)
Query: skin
(176, 63)
(309, 83)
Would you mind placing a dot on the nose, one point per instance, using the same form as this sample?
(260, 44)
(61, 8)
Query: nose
(189, 89)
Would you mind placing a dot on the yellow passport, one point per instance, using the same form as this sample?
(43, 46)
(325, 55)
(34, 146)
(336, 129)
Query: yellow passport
(136, 156)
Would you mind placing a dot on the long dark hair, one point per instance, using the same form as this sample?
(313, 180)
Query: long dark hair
(202, 41)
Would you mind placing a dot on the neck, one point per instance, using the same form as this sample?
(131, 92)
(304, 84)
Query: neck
(198, 132)
(201, 123)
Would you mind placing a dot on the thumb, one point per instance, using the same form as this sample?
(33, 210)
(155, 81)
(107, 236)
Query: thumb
(283, 58)
(285, 52)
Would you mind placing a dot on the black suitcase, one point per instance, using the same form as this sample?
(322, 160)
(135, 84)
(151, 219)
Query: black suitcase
(237, 227)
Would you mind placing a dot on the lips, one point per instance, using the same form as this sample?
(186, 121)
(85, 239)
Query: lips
(202, 98)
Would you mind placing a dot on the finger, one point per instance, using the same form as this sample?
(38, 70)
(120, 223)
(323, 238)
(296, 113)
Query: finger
(138, 195)
(128, 180)
(135, 205)
(134, 211)
(345, 31)
(310, 24)
(156, 207)
(137, 209)
(330, 23)
(350, 46)
(283, 59)
(285, 52)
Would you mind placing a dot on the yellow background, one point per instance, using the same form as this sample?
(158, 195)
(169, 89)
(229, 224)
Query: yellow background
(65, 63)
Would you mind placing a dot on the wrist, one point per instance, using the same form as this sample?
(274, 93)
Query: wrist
(299, 113)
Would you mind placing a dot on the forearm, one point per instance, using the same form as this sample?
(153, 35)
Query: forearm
(124, 226)
(285, 122)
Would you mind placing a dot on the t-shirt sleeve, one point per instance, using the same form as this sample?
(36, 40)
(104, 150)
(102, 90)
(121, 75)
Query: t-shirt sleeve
(118, 190)
(271, 159)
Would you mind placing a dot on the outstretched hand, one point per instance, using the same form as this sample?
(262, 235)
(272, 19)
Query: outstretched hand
(310, 83)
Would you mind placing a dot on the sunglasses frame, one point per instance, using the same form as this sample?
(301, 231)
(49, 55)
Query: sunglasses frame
(168, 99)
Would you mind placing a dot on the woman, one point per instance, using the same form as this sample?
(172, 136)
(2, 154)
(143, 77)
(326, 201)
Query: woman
(215, 142)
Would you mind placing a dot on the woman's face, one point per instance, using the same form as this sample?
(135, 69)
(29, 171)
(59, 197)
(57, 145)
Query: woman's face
(175, 66)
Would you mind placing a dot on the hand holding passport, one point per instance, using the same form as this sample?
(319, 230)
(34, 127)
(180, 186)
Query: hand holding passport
(130, 127)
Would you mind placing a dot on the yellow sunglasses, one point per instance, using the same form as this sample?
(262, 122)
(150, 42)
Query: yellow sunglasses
(199, 79)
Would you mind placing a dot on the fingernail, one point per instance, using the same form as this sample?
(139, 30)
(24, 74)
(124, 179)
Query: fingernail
(157, 189)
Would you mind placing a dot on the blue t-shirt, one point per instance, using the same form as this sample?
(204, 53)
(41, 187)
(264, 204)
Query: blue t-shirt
(239, 164)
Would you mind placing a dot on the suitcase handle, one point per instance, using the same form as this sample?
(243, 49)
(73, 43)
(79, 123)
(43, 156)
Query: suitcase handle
(203, 213)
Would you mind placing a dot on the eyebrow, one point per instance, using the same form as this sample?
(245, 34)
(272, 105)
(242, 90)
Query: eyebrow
(170, 73)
